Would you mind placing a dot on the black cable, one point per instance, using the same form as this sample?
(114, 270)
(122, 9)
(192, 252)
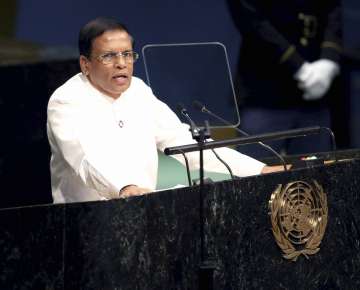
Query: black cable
(187, 167)
(225, 164)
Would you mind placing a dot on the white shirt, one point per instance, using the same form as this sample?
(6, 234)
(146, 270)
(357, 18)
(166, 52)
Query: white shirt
(99, 144)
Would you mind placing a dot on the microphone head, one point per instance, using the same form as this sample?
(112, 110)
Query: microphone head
(199, 106)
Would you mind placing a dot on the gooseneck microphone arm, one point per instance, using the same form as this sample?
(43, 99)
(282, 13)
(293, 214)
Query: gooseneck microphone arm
(193, 128)
(195, 131)
(201, 107)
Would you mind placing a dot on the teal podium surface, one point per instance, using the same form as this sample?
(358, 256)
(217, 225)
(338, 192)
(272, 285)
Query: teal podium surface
(172, 173)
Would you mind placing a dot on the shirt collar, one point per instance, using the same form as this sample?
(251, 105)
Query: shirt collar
(93, 89)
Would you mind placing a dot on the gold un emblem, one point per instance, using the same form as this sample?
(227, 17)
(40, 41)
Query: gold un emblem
(299, 215)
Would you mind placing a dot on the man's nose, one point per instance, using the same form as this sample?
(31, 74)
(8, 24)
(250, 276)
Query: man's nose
(120, 61)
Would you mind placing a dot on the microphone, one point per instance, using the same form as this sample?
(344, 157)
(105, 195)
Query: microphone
(193, 128)
(201, 107)
(183, 111)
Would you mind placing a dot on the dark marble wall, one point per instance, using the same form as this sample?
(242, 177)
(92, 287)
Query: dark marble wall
(153, 242)
(24, 149)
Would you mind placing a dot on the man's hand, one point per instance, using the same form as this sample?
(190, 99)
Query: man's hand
(275, 168)
(133, 190)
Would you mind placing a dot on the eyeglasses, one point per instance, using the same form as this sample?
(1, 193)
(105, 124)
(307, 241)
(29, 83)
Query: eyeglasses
(112, 57)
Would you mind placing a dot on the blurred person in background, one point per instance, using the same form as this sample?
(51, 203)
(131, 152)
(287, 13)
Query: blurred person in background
(288, 69)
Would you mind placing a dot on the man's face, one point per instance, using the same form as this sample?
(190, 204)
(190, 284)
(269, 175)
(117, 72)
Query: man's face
(113, 78)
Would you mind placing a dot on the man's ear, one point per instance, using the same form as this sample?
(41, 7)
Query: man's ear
(84, 65)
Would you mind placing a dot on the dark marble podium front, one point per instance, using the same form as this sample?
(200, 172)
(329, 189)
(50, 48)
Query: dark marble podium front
(153, 241)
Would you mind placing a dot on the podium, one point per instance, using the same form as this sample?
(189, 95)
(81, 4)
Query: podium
(153, 241)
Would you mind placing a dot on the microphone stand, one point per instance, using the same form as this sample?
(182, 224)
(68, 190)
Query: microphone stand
(200, 134)
(207, 267)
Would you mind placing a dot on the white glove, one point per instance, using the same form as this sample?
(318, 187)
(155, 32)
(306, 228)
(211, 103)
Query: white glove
(303, 73)
(315, 78)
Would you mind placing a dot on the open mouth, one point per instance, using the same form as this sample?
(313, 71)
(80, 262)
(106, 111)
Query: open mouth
(120, 79)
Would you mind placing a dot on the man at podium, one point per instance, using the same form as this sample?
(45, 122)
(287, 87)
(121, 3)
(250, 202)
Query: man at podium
(105, 125)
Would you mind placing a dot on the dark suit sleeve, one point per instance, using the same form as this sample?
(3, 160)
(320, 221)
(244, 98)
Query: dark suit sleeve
(331, 47)
(252, 23)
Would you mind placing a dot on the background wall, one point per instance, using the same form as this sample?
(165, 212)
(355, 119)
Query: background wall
(156, 21)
